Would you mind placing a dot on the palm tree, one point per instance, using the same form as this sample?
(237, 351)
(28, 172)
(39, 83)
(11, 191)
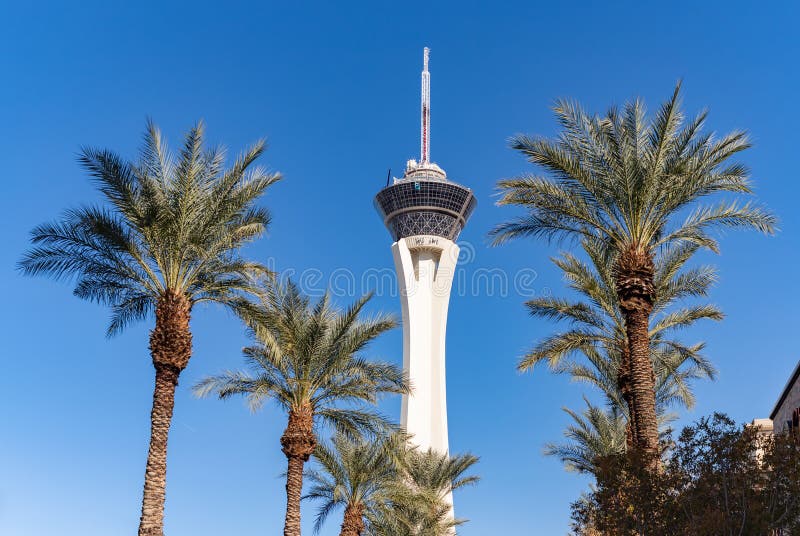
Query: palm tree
(624, 180)
(308, 360)
(421, 504)
(594, 434)
(358, 475)
(169, 239)
(597, 330)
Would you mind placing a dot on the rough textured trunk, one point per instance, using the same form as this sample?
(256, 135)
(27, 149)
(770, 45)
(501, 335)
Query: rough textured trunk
(630, 442)
(353, 524)
(634, 274)
(170, 348)
(298, 444)
(624, 386)
(643, 383)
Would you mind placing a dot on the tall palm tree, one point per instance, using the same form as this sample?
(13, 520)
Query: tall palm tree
(624, 180)
(358, 475)
(168, 239)
(308, 359)
(597, 331)
(420, 505)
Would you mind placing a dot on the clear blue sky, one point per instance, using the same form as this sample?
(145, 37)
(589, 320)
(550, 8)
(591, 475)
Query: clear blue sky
(335, 90)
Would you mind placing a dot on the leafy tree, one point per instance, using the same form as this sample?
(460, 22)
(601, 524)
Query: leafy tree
(718, 479)
(308, 359)
(624, 181)
(168, 238)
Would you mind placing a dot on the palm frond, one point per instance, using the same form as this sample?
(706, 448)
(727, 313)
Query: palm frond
(169, 223)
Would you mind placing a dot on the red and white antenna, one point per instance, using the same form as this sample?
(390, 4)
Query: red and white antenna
(425, 144)
(425, 169)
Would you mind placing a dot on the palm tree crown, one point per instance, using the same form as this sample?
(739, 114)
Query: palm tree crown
(308, 359)
(420, 504)
(594, 434)
(623, 180)
(358, 475)
(388, 487)
(309, 356)
(174, 227)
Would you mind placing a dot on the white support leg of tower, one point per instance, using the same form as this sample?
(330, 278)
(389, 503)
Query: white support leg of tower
(425, 268)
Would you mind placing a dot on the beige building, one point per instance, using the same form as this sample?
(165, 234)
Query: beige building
(785, 415)
(764, 426)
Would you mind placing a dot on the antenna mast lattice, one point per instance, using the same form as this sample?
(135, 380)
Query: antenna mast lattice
(425, 144)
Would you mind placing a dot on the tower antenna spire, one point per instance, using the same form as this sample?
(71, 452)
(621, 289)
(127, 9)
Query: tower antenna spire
(425, 142)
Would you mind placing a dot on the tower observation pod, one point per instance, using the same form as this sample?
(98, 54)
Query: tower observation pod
(425, 212)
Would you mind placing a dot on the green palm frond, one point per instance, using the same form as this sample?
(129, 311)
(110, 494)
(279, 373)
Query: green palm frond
(431, 470)
(686, 317)
(418, 504)
(355, 471)
(623, 178)
(400, 490)
(591, 349)
(308, 354)
(594, 434)
(170, 223)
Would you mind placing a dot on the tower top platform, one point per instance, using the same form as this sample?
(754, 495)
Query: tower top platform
(419, 206)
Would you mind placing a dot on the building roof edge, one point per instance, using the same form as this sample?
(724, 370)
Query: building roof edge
(785, 392)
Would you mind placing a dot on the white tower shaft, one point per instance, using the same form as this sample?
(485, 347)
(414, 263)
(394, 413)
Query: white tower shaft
(425, 137)
(425, 267)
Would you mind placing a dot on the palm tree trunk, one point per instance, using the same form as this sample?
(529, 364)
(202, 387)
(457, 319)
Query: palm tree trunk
(155, 478)
(624, 386)
(298, 444)
(643, 384)
(353, 524)
(171, 348)
(634, 275)
(294, 489)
